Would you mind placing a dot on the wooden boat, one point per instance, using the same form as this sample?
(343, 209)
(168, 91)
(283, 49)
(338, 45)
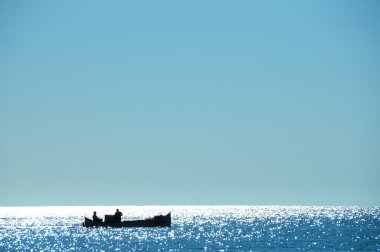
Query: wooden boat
(156, 221)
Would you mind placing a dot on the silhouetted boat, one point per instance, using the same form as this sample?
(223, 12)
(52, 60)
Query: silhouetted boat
(156, 221)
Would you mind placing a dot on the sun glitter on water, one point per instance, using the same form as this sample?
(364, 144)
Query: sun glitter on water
(207, 228)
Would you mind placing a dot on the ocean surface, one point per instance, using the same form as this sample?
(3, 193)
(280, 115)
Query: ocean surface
(194, 228)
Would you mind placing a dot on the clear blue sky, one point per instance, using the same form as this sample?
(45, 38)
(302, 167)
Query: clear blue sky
(189, 102)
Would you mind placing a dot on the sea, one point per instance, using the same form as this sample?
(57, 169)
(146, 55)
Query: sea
(194, 228)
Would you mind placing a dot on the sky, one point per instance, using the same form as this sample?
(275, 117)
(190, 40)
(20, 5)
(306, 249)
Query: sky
(189, 103)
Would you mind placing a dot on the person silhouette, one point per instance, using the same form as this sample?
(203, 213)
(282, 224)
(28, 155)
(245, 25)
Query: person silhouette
(118, 215)
(96, 218)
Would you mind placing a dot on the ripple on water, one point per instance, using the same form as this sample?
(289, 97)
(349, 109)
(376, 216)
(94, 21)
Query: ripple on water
(206, 228)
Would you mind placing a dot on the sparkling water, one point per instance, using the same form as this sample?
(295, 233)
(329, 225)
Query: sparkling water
(194, 228)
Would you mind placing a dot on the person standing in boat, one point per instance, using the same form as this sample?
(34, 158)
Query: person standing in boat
(96, 218)
(118, 215)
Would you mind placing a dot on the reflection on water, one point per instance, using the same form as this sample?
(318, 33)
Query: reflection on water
(199, 228)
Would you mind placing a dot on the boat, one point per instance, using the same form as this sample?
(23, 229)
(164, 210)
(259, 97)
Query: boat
(109, 221)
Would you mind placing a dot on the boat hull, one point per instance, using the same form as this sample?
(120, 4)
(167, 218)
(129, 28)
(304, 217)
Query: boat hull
(157, 221)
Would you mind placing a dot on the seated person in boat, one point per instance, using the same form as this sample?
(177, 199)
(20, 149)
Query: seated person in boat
(96, 218)
(118, 215)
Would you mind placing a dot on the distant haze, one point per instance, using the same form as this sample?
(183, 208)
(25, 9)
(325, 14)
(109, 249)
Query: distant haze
(189, 102)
